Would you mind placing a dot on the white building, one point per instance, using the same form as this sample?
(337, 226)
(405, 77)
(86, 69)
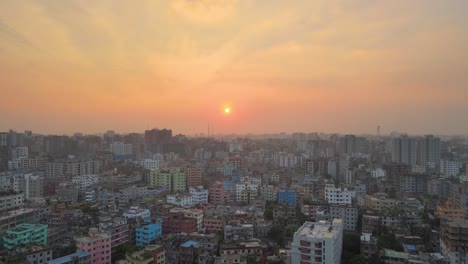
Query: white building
(85, 181)
(199, 195)
(246, 192)
(378, 173)
(349, 176)
(338, 196)
(12, 201)
(180, 199)
(32, 186)
(19, 153)
(90, 196)
(318, 242)
(149, 164)
(121, 149)
(450, 168)
(137, 212)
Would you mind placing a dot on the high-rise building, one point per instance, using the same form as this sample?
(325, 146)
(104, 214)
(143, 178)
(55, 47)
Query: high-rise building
(429, 151)
(318, 242)
(194, 176)
(404, 150)
(155, 138)
(174, 179)
(348, 144)
(217, 193)
(121, 150)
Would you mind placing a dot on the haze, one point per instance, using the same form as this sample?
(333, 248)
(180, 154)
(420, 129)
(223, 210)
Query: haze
(341, 66)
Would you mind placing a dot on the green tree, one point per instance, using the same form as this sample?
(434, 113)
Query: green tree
(277, 234)
(358, 259)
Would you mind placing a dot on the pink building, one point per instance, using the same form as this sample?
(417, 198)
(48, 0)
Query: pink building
(217, 193)
(98, 245)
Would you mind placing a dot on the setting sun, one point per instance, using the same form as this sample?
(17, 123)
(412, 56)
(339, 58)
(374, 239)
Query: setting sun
(227, 110)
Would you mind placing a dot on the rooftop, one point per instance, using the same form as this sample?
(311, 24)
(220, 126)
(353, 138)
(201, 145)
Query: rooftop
(395, 254)
(68, 258)
(320, 229)
(25, 227)
(190, 243)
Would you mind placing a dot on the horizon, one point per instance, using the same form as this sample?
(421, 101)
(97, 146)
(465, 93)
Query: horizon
(342, 67)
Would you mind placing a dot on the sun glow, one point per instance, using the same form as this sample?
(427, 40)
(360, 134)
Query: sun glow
(227, 110)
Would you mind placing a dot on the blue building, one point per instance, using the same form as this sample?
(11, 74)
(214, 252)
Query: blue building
(149, 232)
(287, 197)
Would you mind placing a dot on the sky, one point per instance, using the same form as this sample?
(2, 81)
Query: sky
(281, 66)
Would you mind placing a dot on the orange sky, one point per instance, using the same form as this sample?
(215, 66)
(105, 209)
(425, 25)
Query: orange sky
(285, 66)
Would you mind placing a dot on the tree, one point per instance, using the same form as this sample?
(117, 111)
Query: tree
(277, 234)
(358, 259)
(351, 247)
(389, 241)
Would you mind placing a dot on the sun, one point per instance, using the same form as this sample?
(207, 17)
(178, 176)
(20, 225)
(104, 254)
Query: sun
(227, 110)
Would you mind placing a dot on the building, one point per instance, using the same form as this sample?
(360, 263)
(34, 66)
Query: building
(32, 186)
(75, 258)
(243, 232)
(149, 164)
(404, 150)
(178, 223)
(194, 176)
(97, 244)
(268, 192)
(137, 212)
(246, 192)
(379, 202)
(149, 232)
(213, 224)
(31, 254)
(287, 197)
(413, 183)
(393, 172)
(10, 200)
(117, 228)
(429, 151)
(371, 224)
(450, 168)
(72, 167)
(369, 246)
(217, 193)
(154, 254)
(180, 199)
(18, 153)
(453, 241)
(173, 179)
(199, 195)
(196, 214)
(318, 242)
(338, 196)
(394, 257)
(24, 234)
(121, 151)
(85, 181)
(10, 219)
(347, 213)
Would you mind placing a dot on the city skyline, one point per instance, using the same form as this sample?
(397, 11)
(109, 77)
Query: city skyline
(331, 66)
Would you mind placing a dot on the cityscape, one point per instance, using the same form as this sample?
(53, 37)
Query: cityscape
(158, 197)
(233, 132)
